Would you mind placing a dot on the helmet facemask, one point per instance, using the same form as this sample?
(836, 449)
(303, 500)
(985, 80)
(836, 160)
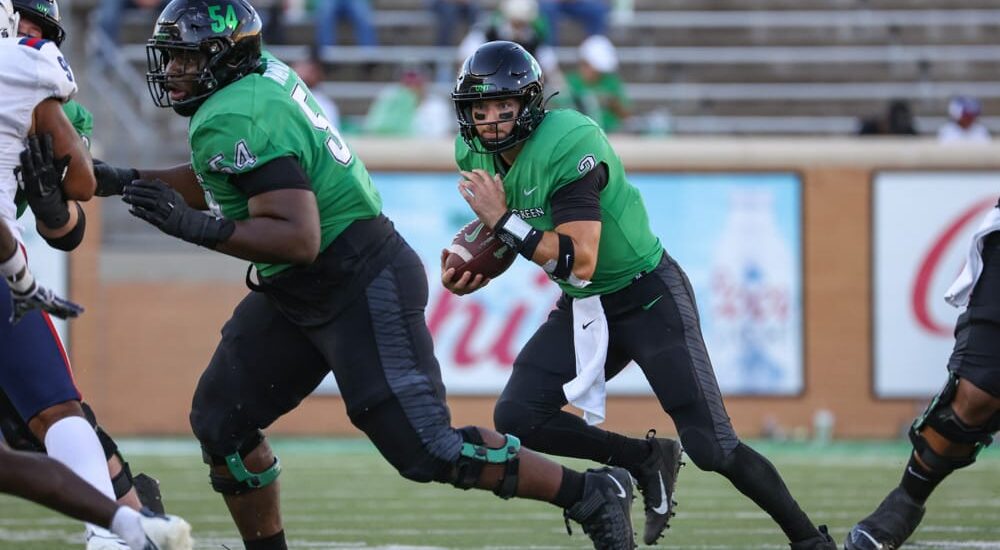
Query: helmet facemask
(526, 115)
(189, 73)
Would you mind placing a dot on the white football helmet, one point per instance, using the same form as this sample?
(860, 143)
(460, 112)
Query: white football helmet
(8, 20)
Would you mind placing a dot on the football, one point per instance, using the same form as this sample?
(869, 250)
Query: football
(475, 248)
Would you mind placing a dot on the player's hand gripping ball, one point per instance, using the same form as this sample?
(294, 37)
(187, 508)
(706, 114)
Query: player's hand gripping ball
(476, 249)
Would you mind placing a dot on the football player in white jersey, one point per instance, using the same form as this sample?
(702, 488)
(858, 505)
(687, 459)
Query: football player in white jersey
(48, 482)
(34, 370)
(42, 19)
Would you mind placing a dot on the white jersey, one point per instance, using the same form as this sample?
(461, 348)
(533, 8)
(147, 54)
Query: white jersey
(31, 71)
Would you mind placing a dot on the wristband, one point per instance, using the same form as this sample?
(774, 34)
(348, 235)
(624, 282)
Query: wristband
(518, 234)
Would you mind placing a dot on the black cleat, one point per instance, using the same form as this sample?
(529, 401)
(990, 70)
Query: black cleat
(148, 490)
(822, 541)
(605, 509)
(656, 478)
(889, 525)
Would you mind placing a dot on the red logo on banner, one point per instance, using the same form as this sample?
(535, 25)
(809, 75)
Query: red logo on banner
(920, 298)
(503, 349)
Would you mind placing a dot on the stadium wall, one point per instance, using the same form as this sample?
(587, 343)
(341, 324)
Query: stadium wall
(140, 348)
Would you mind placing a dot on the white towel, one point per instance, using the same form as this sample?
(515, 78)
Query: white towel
(590, 341)
(959, 291)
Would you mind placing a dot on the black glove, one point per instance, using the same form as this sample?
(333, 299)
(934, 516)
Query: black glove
(111, 180)
(162, 206)
(40, 178)
(39, 297)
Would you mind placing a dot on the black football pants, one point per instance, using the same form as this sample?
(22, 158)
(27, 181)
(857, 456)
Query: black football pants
(380, 352)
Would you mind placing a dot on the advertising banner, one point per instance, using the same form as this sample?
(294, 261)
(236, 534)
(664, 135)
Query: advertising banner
(738, 237)
(923, 223)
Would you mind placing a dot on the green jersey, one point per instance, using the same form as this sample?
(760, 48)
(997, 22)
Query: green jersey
(564, 147)
(83, 123)
(270, 114)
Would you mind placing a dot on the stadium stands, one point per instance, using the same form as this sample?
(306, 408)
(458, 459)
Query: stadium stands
(715, 66)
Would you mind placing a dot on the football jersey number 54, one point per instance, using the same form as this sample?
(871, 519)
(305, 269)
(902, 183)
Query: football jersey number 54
(334, 142)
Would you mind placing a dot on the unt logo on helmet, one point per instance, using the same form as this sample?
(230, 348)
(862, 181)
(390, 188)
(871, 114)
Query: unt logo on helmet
(42, 8)
(480, 88)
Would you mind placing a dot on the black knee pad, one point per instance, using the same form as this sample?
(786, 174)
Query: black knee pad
(240, 480)
(942, 418)
(703, 449)
(475, 454)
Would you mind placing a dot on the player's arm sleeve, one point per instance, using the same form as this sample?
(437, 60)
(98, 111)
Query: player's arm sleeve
(55, 77)
(280, 173)
(580, 200)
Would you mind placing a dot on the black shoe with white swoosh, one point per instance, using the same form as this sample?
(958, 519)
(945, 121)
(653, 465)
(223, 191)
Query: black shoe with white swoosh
(604, 511)
(656, 478)
(895, 519)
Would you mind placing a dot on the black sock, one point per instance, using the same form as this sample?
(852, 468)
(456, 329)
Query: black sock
(274, 542)
(919, 482)
(627, 452)
(570, 490)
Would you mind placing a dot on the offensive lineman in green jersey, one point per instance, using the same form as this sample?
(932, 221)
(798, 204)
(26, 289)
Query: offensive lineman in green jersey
(550, 185)
(42, 19)
(336, 288)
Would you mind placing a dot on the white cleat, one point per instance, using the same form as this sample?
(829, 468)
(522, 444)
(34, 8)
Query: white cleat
(165, 532)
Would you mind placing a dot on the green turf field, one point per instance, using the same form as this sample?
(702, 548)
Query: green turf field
(341, 494)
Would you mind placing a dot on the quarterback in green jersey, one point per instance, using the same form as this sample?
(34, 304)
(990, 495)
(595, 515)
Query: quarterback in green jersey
(550, 185)
(333, 287)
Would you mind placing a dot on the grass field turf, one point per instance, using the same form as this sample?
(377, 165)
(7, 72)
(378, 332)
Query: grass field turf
(339, 493)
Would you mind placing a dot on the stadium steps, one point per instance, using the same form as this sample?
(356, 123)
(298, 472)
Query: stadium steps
(719, 59)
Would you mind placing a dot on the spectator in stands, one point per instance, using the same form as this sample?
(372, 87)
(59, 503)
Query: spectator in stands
(896, 120)
(447, 14)
(357, 12)
(310, 70)
(516, 21)
(595, 88)
(410, 109)
(963, 125)
(592, 14)
(109, 14)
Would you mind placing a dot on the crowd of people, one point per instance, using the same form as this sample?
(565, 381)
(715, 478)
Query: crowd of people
(593, 84)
